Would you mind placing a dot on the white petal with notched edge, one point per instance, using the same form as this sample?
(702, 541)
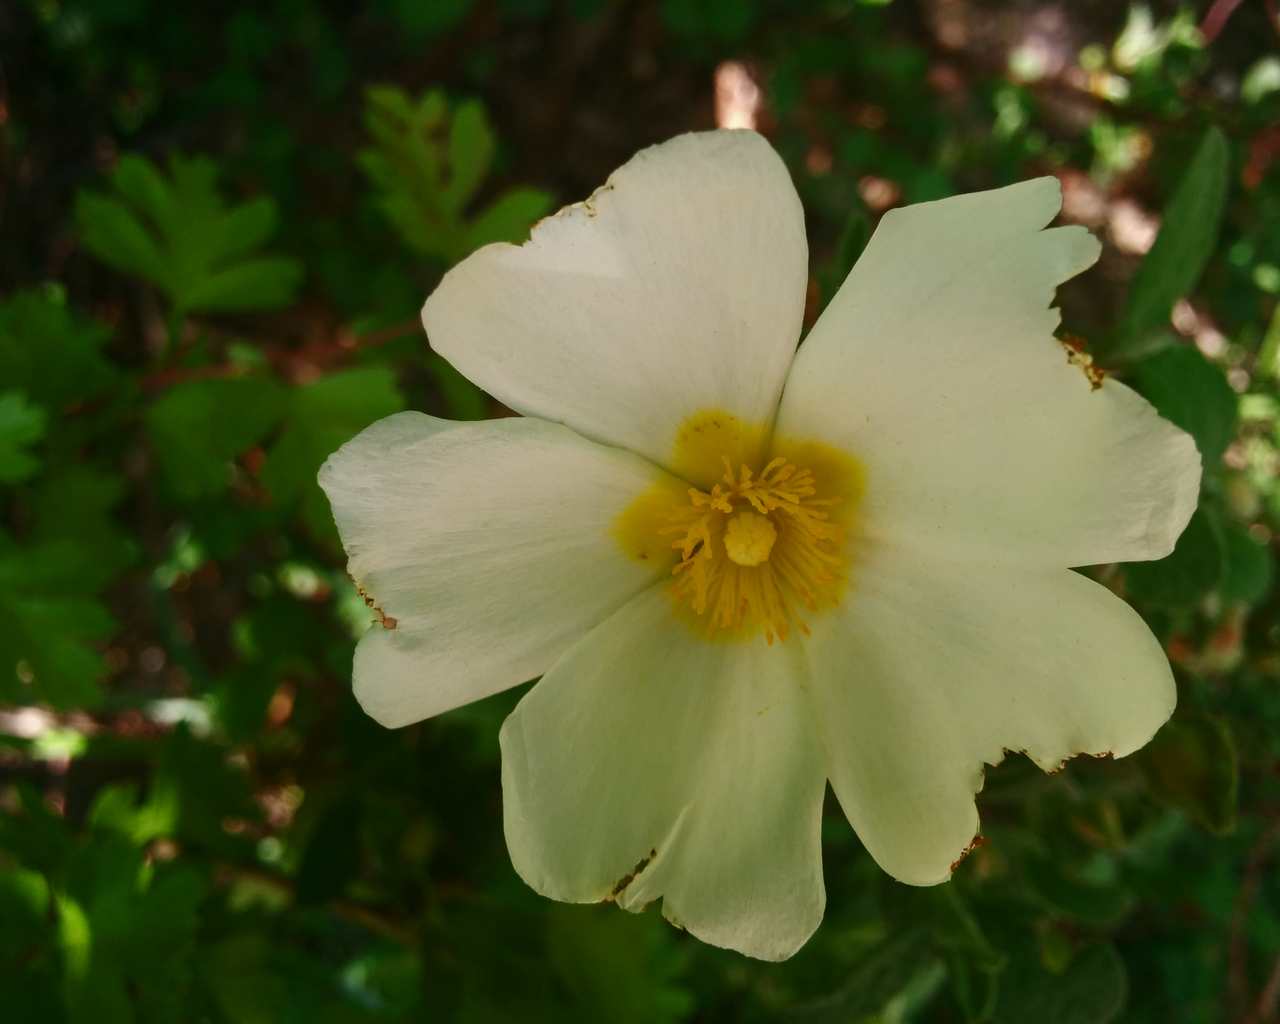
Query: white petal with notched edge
(488, 544)
(935, 364)
(679, 286)
(933, 668)
(648, 763)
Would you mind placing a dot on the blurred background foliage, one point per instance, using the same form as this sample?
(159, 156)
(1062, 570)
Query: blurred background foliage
(219, 223)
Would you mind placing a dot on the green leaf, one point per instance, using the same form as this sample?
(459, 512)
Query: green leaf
(30, 963)
(1193, 393)
(255, 284)
(114, 234)
(52, 624)
(1248, 568)
(876, 978)
(74, 505)
(1056, 886)
(49, 352)
(1188, 234)
(321, 417)
(1185, 576)
(426, 165)
(117, 809)
(183, 237)
(199, 427)
(1092, 989)
(1192, 764)
(129, 932)
(246, 228)
(508, 218)
(239, 974)
(471, 148)
(944, 919)
(21, 426)
(137, 179)
(35, 835)
(619, 967)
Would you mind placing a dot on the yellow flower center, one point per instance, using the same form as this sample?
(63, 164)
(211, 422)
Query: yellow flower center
(757, 551)
(749, 537)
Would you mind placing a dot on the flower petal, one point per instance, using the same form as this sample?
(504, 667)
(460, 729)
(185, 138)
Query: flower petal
(936, 366)
(933, 668)
(485, 546)
(651, 763)
(679, 286)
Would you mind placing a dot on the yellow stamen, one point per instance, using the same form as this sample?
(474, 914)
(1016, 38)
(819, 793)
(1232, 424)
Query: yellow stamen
(756, 550)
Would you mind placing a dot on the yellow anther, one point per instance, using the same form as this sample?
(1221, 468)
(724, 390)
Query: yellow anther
(749, 537)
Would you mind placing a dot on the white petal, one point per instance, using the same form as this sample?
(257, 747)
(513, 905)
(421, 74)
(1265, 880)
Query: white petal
(650, 763)
(488, 544)
(679, 286)
(932, 669)
(936, 365)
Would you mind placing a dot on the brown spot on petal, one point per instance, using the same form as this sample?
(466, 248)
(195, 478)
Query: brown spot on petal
(631, 875)
(1078, 355)
(385, 620)
(974, 843)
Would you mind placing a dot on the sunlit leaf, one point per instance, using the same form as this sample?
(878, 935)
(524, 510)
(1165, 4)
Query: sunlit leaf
(1188, 233)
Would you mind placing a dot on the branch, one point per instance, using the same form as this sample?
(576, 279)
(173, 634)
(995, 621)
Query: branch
(1215, 21)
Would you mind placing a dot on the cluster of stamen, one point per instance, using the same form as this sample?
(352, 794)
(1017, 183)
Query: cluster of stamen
(755, 547)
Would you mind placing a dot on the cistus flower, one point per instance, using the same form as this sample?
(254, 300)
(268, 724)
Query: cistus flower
(743, 569)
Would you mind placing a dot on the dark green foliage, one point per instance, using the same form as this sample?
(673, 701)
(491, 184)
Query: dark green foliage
(1090, 989)
(1192, 763)
(220, 224)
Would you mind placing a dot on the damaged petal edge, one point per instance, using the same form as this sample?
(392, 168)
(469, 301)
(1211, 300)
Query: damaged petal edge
(588, 206)
(622, 883)
(1078, 355)
(1102, 755)
(978, 840)
(385, 620)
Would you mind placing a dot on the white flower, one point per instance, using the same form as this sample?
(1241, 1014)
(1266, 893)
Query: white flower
(743, 570)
